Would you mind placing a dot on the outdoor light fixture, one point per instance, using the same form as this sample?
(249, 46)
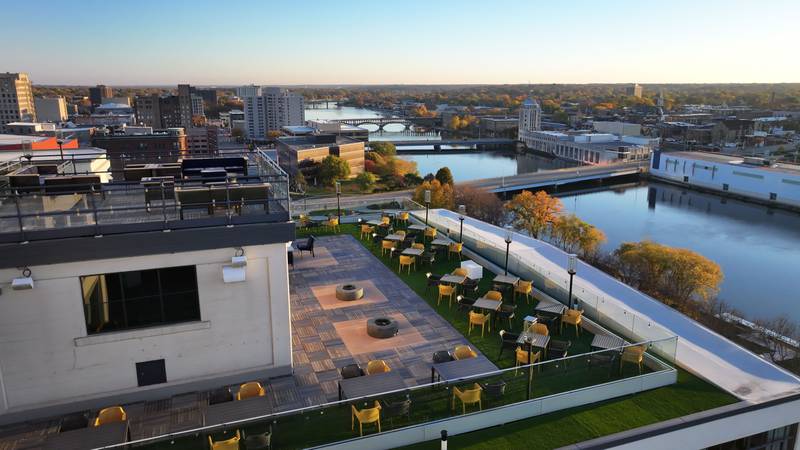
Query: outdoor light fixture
(572, 262)
(428, 275)
(462, 211)
(427, 204)
(236, 272)
(24, 282)
(508, 246)
(60, 148)
(338, 194)
(239, 260)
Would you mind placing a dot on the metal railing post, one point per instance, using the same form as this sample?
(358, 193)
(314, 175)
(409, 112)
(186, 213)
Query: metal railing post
(94, 215)
(163, 204)
(19, 217)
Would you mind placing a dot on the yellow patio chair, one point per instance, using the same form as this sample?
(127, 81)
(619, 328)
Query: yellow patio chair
(454, 247)
(572, 317)
(111, 414)
(539, 328)
(250, 390)
(377, 366)
(418, 246)
(406, 261)
(386, 246)
(367, 231)
(475, 319)
(403, 217)
(386, 220)
(228, 444)
(493, 295)
(446, 291)
(460, 272)
(430, 232)
(365, 416)
(464, 352)
(333, 223)
(524, 288)
(467, 397)
(522, 358)
(633, 355)
(400, 233)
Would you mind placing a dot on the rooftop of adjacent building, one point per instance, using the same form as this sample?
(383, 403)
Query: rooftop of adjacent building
(315, 141)
(744, 161)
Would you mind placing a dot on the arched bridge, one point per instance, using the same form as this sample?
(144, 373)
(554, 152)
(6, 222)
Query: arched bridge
(406, 122)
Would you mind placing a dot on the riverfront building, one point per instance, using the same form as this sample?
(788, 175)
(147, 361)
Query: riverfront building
(269, 109)
(294, 152)
(530, 118)
(753, 178)
(591, 148)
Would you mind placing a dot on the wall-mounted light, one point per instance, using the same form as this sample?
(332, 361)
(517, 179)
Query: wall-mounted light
(239, 260)
(24, 282)
(236, 272)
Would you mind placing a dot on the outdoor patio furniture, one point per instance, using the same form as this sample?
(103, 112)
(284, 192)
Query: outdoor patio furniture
(464, 352)
(92, 437)
(220, 395)
(371, 385)
(386, 246)
(508, 340)
(406, 261)
(402, 217)
(333, 224)
(464, 302)
(365, 416)
(460, 272)
(227, 444)
(523, 288)
(401, 408)
(442, 356)
(74, 421)
(433, 281)
(352, 371)
(237, 410)
(633, 355)
(477, 319)
(467, 397)
(491, 306)
(540, 328)
(249, 390)
(522, 356)
(366, 231)
(259, 441)
(549, 320)
(495, 390)
(493, 295)
(428, 257)
(377, 366)
(446, 291)
(110, 415)
(507, 312)
(430, 233)
(558, 349)
(305, 245)
(455, 248)
(462, 368)
(572, 317)
(470, 286)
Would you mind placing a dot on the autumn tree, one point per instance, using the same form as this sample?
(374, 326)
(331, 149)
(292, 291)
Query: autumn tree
(441, 194)
(333, 168)
(574, 235)
(383, 148)
(444, 175)
(366, 181)
(482, 205)
(533, 213)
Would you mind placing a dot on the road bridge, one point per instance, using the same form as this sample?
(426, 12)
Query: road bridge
(407, 122)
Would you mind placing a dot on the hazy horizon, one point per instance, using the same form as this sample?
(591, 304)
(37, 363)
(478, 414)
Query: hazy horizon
(357, 43)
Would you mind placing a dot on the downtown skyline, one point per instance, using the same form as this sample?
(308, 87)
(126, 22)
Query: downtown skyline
(410, 43)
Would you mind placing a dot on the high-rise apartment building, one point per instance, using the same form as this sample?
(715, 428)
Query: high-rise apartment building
(270, 108)
(634, 90)
(52, 109)
(169, 111)
(16, 99)
(530, 117)
(97, 93)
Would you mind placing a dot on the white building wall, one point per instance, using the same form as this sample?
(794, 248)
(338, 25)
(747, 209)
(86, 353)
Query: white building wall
(46, 356)
(748, 181)
(51, 109)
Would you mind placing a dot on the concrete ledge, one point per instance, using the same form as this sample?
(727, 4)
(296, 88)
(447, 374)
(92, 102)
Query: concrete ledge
(117, 336)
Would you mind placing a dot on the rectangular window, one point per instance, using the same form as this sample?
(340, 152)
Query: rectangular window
(124, 300)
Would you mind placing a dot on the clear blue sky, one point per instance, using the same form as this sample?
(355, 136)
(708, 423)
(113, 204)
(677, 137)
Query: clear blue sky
(412, 42)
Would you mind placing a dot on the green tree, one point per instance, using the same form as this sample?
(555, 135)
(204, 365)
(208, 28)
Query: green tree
(383, 148)
(533, 213)
(444, 176)
(366, 181)
(333, 168)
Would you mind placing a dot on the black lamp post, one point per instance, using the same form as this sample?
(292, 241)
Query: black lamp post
(427, 205)
(572, 261)
(338, 207)
(508, 246)
(61, 148)
(462, 209)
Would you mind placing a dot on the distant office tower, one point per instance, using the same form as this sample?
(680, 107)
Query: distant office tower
(210, 95)
(16, 99)
(168, 111)
(185, 105)
(270, 108)
(51, 109)
(97, 93)
(530, 117)
(634, 91)
(197, 106)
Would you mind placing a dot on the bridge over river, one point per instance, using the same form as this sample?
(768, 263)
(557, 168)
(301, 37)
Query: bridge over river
(407, 122)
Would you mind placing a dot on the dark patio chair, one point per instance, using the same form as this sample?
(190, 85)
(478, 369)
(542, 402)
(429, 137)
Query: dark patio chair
(433, 281)
(259, 441)
(508, 340)
(305, 245)
(464, 303)
(428, 258)
(558, 349)
(220, 395)
(442, 356)
(401, 408)
(507, 312)
(470, 286)
(352, 371)
(74, 421)
(494, 391)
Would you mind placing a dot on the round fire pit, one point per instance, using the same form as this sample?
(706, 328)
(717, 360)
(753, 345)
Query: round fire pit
(382, 327)
(349, 292)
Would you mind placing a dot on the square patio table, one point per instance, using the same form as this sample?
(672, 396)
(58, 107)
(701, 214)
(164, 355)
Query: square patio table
(370, 385)
(453, 279)
(537, 340)
(461, 368)
(394, 237)
(416, 227)
(551, 308)
(412, 252)
(237, 410)
(605, 342)
(489, 305)
(506, 279)
(90, 437)
(374, 222)
(440, 242)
